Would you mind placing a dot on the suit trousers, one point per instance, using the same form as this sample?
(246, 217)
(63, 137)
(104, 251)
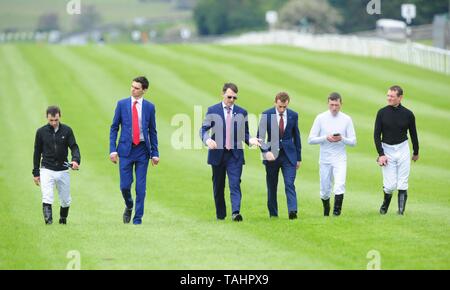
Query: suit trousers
(233, 168)
(138, 158)
(289, 173)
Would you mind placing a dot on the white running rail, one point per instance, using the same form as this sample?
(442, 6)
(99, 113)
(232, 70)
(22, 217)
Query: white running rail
(428, 57)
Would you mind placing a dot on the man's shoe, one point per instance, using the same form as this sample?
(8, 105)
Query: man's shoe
(47, 211)
(127, 215)
(63, 213)
(326, 207)
(338, 199)
(292, 215)
(237, 217)
(386, 202)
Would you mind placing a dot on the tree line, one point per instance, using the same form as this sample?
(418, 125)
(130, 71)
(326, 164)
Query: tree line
(318, 16)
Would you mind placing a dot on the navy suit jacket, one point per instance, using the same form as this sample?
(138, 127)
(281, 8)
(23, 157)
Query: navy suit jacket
(123, 118)
(290, 142)
(215, 121)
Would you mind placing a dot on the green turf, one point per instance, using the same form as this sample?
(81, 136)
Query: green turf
(179, 229)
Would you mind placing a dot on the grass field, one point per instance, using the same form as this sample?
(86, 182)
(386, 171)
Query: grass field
(179, 229)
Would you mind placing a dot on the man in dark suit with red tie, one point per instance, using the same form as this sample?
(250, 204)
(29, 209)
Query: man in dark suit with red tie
(282, 151)
(138, 143)
(229, 129)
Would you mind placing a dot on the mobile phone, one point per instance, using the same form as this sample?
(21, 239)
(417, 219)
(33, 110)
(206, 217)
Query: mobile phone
(69, 165)
(336, 134)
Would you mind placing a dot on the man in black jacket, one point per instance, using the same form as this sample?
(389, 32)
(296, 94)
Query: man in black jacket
(51, 144)
(391, 140)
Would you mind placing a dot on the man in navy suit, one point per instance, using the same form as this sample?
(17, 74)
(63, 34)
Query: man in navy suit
(282, 151)
(138, 143)
(229, 128)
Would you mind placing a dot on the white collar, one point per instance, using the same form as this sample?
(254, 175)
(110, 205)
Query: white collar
(133, 99)
(284, 113)
(334, 116)
(224, 106)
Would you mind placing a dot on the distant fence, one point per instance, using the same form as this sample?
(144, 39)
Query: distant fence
(428, 57)
(51, 36)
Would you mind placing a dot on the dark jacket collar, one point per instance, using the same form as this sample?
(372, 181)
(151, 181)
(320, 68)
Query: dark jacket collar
(396, 108)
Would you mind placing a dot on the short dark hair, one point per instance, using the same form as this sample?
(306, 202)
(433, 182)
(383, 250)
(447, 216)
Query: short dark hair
(335, 97)
(231, 86)
(53, 110)
(283, 97)
(143, 81)
(397, 89)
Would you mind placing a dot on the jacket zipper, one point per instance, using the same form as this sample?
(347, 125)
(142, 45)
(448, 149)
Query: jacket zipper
(54, 143)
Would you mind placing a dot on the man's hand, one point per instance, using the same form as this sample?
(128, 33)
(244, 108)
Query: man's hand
(382, 160)
(114, 157)
(37, 180)
(415, 157)
(255, 142)
(269, 156)
(75, 165)
(211, 144)
(155, 161)
(298, 165)
(334, 139)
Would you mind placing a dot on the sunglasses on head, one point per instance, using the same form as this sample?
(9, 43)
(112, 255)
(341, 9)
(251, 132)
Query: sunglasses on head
(232, 97)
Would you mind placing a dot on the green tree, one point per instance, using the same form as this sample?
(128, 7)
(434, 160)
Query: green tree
(211, 17)
(48, 22)
(219, 17)
(356, 18)
(318, 15)
(88, 18)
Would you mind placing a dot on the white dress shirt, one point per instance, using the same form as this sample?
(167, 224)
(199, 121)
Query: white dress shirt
(326, 124)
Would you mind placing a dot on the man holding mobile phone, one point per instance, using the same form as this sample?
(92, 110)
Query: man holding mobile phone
(333, 130)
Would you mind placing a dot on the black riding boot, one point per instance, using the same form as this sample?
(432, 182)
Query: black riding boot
(47, 210)
(326, 207)
(385, 206)
(63, 213)
(402, 197)
(338, 204)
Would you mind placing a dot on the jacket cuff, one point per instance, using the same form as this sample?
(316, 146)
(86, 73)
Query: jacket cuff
(36, 172)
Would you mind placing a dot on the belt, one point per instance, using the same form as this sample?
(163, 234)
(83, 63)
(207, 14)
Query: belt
(132, 144)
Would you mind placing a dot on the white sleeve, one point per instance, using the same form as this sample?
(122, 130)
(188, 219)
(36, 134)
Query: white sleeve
(350, 135)
(314, 134)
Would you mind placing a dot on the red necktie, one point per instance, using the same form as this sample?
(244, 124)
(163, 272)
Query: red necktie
(136, 132)
(281, 126)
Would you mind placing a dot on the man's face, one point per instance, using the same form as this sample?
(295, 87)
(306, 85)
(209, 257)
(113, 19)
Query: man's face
(281, 106)
(393, 99)
(136, 90)
(53, 120)
(229, 97)
(334, 106)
